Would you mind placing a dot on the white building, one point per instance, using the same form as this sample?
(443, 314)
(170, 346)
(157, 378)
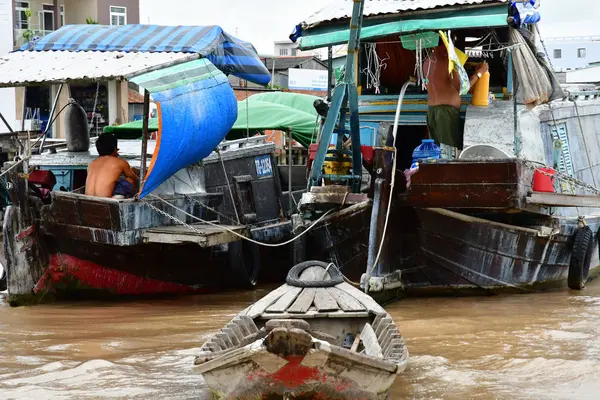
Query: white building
(570, 53)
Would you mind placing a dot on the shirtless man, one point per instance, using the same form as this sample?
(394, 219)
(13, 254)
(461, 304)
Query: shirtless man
(443, 117)
(104, 173)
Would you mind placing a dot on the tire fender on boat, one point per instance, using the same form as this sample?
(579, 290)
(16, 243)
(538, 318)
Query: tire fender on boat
(581, 257)
(293, 277)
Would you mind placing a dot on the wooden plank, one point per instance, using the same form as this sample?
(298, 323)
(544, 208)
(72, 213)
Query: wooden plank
(377, 321)
(365, 299)
(467, 172)
(225, 338)
(249, 323)
(260, 306)
(315, 314)
(304, 301)
(387, 321)
(325, 301)
(209, 236)
(370, 342)
(346, 301)
(284, 301)
(563, 200)
(231, 336)
(355, 343)
(219, 342)
(237, 331)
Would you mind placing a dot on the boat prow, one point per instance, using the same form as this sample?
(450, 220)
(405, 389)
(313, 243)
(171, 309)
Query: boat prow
(315, 337)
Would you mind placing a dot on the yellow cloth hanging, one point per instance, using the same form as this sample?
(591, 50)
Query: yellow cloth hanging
(462, 57)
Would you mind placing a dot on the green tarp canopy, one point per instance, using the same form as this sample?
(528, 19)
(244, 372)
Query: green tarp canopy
(280, 111)
(484, 17)
(266, 111)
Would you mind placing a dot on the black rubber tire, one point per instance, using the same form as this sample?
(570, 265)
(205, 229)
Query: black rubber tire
(293, 277)
(581, 256)
(244, 262)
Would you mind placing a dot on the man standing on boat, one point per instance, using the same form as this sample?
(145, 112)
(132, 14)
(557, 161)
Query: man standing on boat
(104, 173)
(443, 114)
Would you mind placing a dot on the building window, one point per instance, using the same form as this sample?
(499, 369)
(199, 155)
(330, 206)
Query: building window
(580, 53)
(283, 52)
(46, 17)
(557, 53)
(20, 16)
(118, 15)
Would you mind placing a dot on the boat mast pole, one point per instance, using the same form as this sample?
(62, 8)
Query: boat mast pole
(345, 96)
(145, 136)
(329, 71)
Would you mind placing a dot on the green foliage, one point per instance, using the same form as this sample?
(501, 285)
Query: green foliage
(90, 21)
(28, 34)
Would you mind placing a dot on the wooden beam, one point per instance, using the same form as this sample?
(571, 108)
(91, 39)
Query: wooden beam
(145, 117)
(563, 200)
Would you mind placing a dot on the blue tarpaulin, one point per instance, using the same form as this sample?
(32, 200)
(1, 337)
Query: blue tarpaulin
(229, 54)
(196, 110)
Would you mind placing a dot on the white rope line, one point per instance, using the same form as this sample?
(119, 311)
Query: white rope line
(224, 228)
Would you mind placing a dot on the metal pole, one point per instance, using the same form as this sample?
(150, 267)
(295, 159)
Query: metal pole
(6, 123)
(52, 110)
(291, 202)
(517, 137)
(56, 15)
(329, 72)
(273, 75)
(145, 136)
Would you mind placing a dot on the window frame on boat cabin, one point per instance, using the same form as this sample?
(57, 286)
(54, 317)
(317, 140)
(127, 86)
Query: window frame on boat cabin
(581, 52)
(118, 14)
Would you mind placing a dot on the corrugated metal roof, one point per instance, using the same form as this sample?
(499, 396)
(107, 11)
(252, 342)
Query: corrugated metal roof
(284, 63)
(29, 68)
(342, 9)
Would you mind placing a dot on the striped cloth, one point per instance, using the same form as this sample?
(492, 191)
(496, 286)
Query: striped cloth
(227, 53)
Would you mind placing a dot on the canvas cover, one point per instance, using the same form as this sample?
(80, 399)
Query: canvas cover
(196, 109)
(229, 54)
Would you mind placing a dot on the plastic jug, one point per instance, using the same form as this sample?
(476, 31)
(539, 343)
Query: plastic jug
(481, 91)
(426, 150)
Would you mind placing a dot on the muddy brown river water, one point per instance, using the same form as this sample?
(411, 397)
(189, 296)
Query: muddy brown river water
(539, 346)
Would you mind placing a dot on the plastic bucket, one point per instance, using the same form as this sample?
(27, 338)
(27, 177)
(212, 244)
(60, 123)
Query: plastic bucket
(542, 182)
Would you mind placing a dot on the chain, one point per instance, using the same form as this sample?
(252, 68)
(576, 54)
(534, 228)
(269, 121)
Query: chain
(563, 177)
(223, 227)
(176, 220)
(194, 201)
(537, 30)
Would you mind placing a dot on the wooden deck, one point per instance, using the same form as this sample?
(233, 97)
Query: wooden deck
(207, 235)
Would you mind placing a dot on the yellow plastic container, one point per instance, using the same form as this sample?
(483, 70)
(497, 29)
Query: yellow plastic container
(481, 91)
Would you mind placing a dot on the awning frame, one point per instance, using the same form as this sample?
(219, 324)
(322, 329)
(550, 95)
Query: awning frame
(325, 35)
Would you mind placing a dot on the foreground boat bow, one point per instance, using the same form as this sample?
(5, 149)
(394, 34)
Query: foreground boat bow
(315, 337)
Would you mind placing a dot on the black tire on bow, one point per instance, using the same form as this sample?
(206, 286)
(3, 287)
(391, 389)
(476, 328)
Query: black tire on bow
(293, 277)
(244, 263)
(581, 257)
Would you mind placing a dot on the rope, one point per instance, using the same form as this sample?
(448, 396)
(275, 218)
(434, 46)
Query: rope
(14, 165)
(222, 227)
(237, 216)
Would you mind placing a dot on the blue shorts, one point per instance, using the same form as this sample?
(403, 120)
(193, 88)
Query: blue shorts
(123, 188)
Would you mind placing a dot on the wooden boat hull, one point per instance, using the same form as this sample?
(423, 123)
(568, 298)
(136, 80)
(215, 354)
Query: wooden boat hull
(342, 238)
(459, 253)
(326, 372)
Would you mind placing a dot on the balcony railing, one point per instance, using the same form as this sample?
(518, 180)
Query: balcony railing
(20, 39)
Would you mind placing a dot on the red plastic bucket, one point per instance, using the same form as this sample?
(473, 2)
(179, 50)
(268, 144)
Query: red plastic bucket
(542, 182)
